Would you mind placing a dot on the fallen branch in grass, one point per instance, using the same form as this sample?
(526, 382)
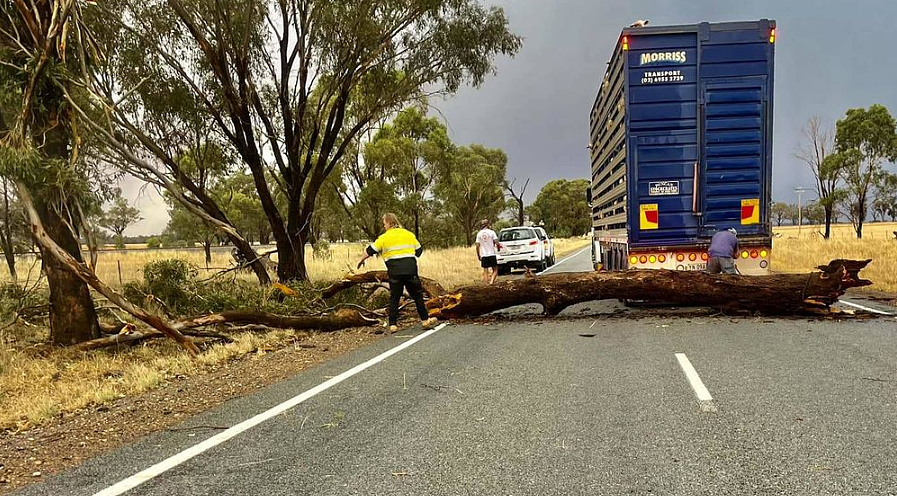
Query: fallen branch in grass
(431, 287)
(133, 338)
(778, 294)
(341, 319)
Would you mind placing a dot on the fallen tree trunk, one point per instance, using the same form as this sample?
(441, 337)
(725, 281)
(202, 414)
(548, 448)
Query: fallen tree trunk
(341, 319)
(431, 287)
(778, 294)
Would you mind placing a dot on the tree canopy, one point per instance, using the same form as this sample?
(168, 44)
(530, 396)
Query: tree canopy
(562, 208)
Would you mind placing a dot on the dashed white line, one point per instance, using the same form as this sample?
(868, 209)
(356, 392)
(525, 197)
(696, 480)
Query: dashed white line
(175, 460)
(564, 260)
(704, 398)
(862, 307)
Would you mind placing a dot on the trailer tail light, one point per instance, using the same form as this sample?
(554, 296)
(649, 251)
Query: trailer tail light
(643, 259)
(680, 257)
(692, 257)
(755, 254)
(772, 36)
(705, 257)
(745, 254)
(764, 253)
(662, 258)
(652, 259)
(625, 43)
(633, 260)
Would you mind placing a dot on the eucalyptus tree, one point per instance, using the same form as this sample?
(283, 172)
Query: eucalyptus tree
(37, 150)
(472, 189)
(46, 52)
(288, 84)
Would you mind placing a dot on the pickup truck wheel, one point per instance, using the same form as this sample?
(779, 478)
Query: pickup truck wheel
(542, 265)
(503, 270)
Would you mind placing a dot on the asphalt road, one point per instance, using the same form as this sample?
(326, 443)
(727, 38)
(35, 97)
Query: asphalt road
(594, 403)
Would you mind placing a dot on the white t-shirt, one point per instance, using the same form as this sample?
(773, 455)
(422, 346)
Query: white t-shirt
(487, 239)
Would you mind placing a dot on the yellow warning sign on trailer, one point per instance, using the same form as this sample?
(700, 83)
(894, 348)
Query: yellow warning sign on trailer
(648, 216)
(750, 211)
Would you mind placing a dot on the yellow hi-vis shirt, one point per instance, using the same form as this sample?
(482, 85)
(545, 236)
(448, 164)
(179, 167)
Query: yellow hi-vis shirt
(399, 248)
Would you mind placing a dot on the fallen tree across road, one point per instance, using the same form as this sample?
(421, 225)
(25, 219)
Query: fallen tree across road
(778, 294)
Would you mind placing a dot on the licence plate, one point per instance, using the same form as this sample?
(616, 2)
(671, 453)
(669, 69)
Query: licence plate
(696, 266)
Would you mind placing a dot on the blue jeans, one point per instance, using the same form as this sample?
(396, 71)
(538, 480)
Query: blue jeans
(724, 265)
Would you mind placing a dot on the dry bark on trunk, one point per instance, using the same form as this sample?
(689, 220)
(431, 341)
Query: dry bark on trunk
(779, 294)
(73, 318)
(431, 287)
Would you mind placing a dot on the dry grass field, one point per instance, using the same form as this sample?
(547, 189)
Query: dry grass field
(38, 386)
(452, 267)
(803, 251)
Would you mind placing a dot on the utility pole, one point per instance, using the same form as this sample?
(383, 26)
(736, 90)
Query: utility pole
(800, 218)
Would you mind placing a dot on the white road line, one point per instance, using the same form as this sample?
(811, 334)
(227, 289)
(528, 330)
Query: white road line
(175, 460)
(564, 260)
(704, 398)
(861, 307)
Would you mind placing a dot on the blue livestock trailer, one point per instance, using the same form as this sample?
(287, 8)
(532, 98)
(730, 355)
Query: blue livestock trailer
(681, 146)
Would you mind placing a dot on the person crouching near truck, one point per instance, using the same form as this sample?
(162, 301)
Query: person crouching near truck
(722, 252)
(486, 246)
(399, 248)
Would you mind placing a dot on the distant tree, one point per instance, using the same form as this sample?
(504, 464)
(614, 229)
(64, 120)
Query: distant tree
(184, 226)
(815, 213)
(413, 149)
(884, 204)
(795, 214)
(562, 207)
(471, 189)
(865, 140)
(153, 243)
(818, 144)
(516, 200)
(780, 211)
(15, 235)
(119, 217)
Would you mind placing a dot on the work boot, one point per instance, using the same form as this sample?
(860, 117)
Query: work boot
(429, 323)
(393, 328)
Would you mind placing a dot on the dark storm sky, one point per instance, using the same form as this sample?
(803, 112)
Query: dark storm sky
(830, 56)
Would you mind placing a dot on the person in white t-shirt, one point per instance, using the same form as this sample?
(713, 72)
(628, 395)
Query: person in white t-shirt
(487, 246)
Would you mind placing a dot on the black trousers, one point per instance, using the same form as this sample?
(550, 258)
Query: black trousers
(397, 285)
